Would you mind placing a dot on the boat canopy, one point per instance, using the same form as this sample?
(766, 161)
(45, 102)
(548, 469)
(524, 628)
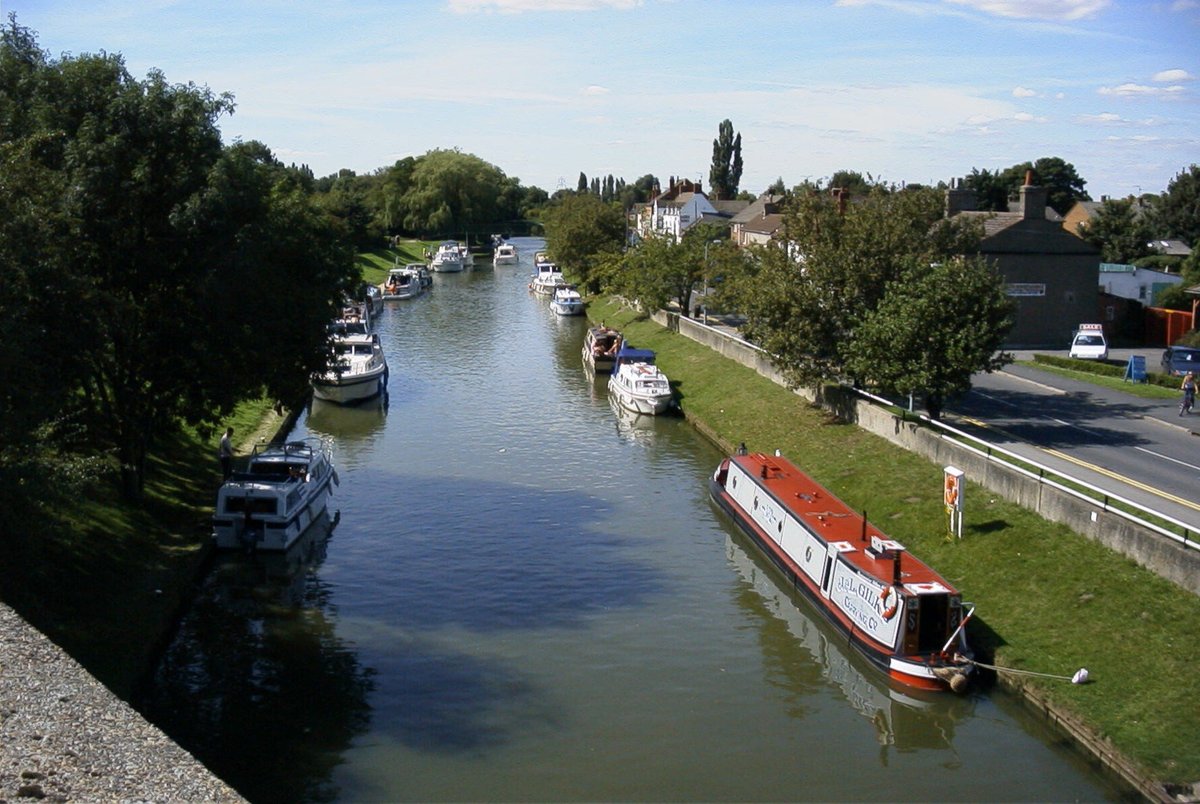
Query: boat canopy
(628, 354)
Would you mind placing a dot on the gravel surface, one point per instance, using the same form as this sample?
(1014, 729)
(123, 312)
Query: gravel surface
(65, 737)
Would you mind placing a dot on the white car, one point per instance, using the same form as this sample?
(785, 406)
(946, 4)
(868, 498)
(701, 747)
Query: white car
(1089, 343)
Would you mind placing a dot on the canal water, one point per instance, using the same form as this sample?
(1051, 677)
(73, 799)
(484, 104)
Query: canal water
(526, 596)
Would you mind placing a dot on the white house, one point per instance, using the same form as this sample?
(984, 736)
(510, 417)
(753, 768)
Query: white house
(670, 213)
(1137, 284)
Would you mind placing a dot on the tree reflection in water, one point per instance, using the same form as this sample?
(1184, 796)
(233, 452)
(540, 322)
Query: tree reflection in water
(256, 684)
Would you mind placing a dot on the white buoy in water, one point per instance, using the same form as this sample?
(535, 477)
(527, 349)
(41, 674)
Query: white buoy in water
(1080, 677)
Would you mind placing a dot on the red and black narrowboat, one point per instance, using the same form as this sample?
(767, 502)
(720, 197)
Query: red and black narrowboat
(902, 615)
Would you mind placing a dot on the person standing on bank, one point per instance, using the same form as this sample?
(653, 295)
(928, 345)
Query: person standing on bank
(225, 452)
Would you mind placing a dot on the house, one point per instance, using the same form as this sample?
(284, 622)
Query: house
(670, 213)
(1050, 273)
(759, 222)
(1081, 213)
(1133, 283)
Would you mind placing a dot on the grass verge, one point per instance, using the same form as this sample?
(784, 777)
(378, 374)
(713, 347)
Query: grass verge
(105, 579)
(1049, 600)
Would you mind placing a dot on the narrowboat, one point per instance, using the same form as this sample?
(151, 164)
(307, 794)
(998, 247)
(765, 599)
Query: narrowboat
(898, 612)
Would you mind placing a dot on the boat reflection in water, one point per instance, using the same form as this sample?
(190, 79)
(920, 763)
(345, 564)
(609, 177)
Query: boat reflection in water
(256, 668)
(350, 424)
(902, 720)
(639, 428)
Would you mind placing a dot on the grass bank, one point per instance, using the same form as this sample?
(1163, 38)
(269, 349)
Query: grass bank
(105, 579)
(1049, 600)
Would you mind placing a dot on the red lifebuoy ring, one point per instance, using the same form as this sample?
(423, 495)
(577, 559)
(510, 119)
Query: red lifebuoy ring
(884, 594)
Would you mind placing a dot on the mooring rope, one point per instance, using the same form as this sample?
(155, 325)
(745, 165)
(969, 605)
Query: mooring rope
(1080, 677)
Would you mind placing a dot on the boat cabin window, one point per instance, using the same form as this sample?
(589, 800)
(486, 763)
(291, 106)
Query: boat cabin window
(257, 505)
(934, 622)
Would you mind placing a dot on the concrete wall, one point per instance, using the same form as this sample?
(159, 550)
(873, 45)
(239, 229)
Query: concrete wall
(1166, 558)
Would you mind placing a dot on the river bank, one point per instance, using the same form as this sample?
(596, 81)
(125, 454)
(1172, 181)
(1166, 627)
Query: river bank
(1049, 600)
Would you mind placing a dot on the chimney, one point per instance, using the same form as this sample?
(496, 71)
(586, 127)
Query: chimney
(1033, 200)
(959, 198)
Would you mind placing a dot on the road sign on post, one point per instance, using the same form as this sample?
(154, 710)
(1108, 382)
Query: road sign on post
(952, 495)
(1135, 369)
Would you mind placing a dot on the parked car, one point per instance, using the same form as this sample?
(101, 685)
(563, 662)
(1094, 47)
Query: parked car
(1088, 343)
(1181, 360)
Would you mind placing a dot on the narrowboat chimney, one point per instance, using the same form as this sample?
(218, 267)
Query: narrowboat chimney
(896, 567)
(864, 528)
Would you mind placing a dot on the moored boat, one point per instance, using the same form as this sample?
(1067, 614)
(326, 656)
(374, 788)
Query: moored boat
(403, 282)
(447, 259)
(547, 278)
(898, 612)
(284, 489)
(359, 370)
(505, 254)
(566, 301)
(600, 346)
(637, 383)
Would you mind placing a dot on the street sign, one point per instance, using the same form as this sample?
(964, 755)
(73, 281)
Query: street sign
(1135, 369)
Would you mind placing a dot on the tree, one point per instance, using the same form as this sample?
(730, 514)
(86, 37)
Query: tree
(726, 171)
(933, 329)
(580, 230)
(450, 191)
(175, 252)
(806, 297)
(1176, 213)
(991, 190)
(1118, 231)
(851, 180)
(1063, 185)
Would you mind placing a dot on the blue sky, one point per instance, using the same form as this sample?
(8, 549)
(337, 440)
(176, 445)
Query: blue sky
(903, 90)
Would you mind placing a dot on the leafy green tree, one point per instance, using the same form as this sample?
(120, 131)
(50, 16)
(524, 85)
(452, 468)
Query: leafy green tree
(1063, 185)
(582, 185)
(1176, 213)
(725, 174)
(580, 230)
(991, 190)
(1118, 231)
(805, 298)
(198, 274)
(451, 191)
(851, 180)
(934, 327)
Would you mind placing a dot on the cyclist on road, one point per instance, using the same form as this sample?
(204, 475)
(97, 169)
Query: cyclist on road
(1189, 393)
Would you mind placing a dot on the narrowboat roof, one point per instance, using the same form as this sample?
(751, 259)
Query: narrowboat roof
(833, 521)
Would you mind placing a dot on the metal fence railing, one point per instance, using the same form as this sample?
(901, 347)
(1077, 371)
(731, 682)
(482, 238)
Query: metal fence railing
(1104, 499)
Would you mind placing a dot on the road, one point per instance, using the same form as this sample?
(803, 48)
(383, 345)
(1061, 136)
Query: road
(1137, 448)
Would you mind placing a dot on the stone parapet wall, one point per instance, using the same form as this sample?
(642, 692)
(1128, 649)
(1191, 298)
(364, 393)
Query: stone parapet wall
(65, 737)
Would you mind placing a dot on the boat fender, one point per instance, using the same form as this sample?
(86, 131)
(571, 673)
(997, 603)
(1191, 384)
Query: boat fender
(889, 611)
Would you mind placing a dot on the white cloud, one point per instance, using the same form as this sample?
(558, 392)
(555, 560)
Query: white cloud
(522, 6)
(1022, 92)
(1026, 117)
(596, 90)
(1053, 10)
(1134, 90)
(1171, 75)
(1184, 5)
(1104, 117)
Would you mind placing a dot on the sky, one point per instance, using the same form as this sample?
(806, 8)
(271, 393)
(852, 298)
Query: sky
(902, 91)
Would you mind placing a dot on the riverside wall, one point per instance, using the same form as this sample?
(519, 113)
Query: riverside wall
(65, 737)
(1152, 550)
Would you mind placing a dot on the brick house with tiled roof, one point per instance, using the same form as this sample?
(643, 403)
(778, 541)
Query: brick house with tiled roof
(759, 222)
(1051, 274)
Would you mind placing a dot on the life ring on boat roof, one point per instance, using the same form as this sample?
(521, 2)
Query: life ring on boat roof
(889, 592)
